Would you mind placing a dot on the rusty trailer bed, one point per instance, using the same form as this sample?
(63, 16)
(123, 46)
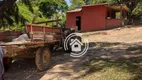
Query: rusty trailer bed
(42, 40)
(28, 43)
(24, 49)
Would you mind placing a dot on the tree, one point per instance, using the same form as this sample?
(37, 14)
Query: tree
(76, 4)
(9, 12)
(79, 3)
(54, 9)
(135, 9)
(51, 7)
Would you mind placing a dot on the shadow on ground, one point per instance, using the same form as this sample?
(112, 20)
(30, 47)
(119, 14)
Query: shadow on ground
(125, 57)
(100, 55)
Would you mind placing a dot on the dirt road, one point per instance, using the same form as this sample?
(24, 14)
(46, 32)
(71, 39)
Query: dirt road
(110, 44)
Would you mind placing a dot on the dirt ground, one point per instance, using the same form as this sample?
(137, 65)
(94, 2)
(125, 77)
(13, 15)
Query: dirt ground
(120, 43)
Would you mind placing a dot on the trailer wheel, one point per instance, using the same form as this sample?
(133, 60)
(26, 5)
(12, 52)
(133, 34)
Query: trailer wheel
(43, 59)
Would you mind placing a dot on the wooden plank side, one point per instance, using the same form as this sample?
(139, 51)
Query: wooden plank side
(44, 33)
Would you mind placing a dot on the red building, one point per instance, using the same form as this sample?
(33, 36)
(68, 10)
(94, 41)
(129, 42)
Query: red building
(97, 17)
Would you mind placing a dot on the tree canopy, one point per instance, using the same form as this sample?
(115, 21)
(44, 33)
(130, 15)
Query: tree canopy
(18, 12)
(50, 7)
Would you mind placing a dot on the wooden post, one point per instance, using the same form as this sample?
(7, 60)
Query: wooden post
(44, 34)
(121, 12)
(32, 32)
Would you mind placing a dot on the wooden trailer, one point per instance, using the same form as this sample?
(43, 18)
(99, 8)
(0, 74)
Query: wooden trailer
(42, 41)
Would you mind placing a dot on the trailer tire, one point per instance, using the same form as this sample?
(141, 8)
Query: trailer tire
(43, 58)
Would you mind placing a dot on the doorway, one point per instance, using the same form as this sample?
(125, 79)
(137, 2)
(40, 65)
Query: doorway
(78, 23)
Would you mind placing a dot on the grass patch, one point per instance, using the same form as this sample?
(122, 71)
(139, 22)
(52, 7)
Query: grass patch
(114, 70)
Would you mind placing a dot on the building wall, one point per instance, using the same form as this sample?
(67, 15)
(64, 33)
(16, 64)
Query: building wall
(71, 19)
(93, 18)
(113, 23)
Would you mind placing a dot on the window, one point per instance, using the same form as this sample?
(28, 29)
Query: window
(117, 15)
(113, 15)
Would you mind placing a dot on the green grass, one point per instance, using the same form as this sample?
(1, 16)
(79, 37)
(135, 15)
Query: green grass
(114, 70)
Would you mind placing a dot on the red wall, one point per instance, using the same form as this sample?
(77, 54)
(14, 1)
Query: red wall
(113, 23)
(93, 18)
(71, 19)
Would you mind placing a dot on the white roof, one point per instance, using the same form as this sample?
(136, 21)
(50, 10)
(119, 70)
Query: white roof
(76, 10)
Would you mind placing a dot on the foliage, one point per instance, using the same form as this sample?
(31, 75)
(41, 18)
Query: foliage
(31, 11)
(79, 3)
(101, 1)
(24, 11)
(50, 7)
(31, 17)
(138, 9)
(76, 3)
(16, 18)
(10, 12)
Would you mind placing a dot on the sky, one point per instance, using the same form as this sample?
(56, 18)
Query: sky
(68, 2)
